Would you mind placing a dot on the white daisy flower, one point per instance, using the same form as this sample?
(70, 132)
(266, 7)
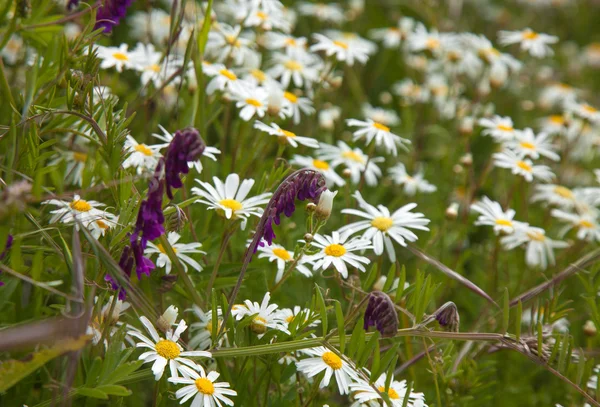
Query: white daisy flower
(382, 226)
(540, 248)
(223, 79)
(265, 315)
(365, 394)
(522, 166)
(201, 332)
(328, 117)
(226, 41)
(282, 256)
(557, 94)
(411, 92)
(165, 351)
(527, 144)
(288, 315)
(141, 156)
(500, 128)
(293, 46)
(353, 40)
(392, 37)
(152, 66)
(412, 183)
(12, 50)
(293, 105)
(202, 387)
(423, 40)
(585, 111)
(586, 224)
(106, 317)
(554, 124)
(299, 69)
(387, 117)
(553, 194)
(229, 198)
(342, 50)
(324, 12)
(251, 101)
(86, 212)
(492, 214)
(337, 250)
(181, 250)
(354, 160)
(209, 152)
(330, 175)
(76, 161)
(267, 20)
(531, 317)
(371, 130)
(286, 135)
(117, 57)
(536, 44)
(325, 360)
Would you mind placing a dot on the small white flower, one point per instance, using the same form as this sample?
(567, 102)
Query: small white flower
(365, 394)
(527, 144)
(86, 212)
(342, 50)
(337, 250)
(223, 79)
(117, 57)
(229, 198)
(141, 156)
(540, 248)
(288, 315)
(251, 101)
(412, 183)
(500, 128)
(297, 68)
(423, 40)
(325, 205)
(534, 43)
(492, 214)
(282, 256)
(382, 226)
(181, 251)
(265, 315)
(353, 159)
(225, 41)
(380, 115)
(322, 359)
(523, 167)
(586, 224)
(371, 130)
(585, 111)
(332, 13)
(293, 105)
(165, 351)
(289, 137)
(202, 387)
(201, 332)
(330, 175)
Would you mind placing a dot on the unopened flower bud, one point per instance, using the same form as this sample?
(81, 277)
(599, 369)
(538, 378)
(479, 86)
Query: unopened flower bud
(452, 211)
(323, 210)
(589, 329)
(467, 159)
(466, 125)
(447, 316)
(381, 314)
(167, 319)
(347, 173)
(310, 207)
(336, 81)
(385, 98)
(457, 169)
(308, 237)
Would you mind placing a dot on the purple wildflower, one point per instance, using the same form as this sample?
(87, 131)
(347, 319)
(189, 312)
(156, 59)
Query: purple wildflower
(110, 13)
(381, 313)
(143, 265)
(150, 218)
(126, 264)
(7, 246)
(186, 146)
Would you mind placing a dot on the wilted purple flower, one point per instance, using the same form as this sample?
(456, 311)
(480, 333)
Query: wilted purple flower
(110, 13)
(381, 314)
(126, 264)
(447, 316)
(302, 184)
(186, 146)
(150, 218)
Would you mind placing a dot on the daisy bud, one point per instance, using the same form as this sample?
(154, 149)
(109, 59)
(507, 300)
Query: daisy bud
(380, 283)
(311, 207)
(589, 329)
(308, 237)
(347, 173)
(323, 210)
(447, 316)
(385, 98)
(381, 314)
(466, 125)
(467, 159)
(167, 319)
(457, 169)
(452, 211)
(527, 105)
(336, 82)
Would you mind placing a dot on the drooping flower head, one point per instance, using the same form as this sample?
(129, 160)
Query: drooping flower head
(150, 218)
(186, 146)
(381, 313)
(110, 13)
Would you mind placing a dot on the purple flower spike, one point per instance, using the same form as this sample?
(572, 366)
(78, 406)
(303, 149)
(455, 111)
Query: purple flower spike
(381, 314)
(186, 146)
(110, 13)
(143, 265)
(150, 217)
(126, 264)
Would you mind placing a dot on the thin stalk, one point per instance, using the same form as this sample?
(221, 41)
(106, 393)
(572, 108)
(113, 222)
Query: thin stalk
(224, 242)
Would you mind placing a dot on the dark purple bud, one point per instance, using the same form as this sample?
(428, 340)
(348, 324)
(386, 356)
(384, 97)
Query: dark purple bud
(186, 146)
(143, 265)
(110, 13)
(447, 316)
(381, 313)
(7, 246)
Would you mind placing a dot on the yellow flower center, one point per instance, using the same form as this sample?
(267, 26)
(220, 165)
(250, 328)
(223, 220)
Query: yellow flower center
(557, 119)
(80, 157)
(259, 75)
(120, 56)
(351, 155)
(232, 40)
(282, 254)
(382, 224)
(321, 165)
(209, 326)
(261, 15)
(335, 250)
(537, 236)
(530, 35)
(154, 68)
(228, 74)
(504, 127)
(341, 44)
(391, 392)
(204, 386)
(332, 360)
(142, 148)
(432, 43)
(231, 204)
(290, 96)
(524, 166)
(527, 145)
(167, 349)
(291, 42)
(161, 248)
(253, 102)
(380, 126)
(503, 222)
(287, 133)
(259, 325)
(589, 109)
(80, 205)
(289, 319)
(102, 225)
(586, 224)
(563, 192)
(293, 65)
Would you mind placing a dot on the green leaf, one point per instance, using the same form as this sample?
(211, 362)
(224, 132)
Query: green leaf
(322, 309)
(401, 284)
(203, 37)
(358, 335)
(390, 278)
(115, 390)
(93, 393)
(505, 312)
(339, 315)
(371, 276)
